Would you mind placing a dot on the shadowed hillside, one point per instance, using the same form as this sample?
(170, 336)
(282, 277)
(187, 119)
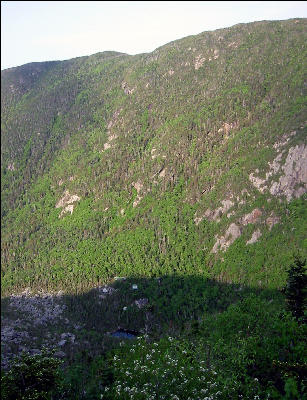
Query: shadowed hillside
(195, 336)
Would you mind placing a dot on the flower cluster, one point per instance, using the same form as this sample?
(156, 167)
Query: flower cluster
(162, 370)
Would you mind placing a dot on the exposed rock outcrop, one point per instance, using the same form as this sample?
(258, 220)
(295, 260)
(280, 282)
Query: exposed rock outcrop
(227, 127)
(255, 236)
(215, 215)
(199, 60)
(39, 308)
(138, 186)
(67, 199)
(252, 217)
(293, 181)
(222, 243)
(66, 202)
(69, 208)
(272, 220)
(29, 314)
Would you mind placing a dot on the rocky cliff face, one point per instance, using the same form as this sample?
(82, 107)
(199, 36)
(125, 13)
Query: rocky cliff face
(190, 158)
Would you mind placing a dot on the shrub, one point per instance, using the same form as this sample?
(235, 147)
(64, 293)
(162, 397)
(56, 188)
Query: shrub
(31, 377)
(296, 289)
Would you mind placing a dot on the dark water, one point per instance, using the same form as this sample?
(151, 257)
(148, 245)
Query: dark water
(124, 334)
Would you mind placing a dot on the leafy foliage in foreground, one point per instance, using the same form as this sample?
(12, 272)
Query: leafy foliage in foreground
(31, 377)
(242, 345)
(233, 355)
(245, 352)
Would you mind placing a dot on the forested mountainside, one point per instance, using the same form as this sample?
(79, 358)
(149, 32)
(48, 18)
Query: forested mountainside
(187, 163)
(190, 158)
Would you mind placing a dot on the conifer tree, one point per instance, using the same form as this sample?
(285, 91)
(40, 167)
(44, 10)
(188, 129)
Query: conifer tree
(296, 288)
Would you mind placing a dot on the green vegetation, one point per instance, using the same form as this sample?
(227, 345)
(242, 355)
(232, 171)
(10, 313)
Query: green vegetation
(296, 289)
(251, 348)
(31, 377)
(229, 355)
(181, 170)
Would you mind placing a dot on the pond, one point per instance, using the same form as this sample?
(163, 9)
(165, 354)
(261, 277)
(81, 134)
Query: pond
(124, 334)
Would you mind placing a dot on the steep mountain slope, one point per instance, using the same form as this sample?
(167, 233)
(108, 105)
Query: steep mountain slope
(187, 160)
